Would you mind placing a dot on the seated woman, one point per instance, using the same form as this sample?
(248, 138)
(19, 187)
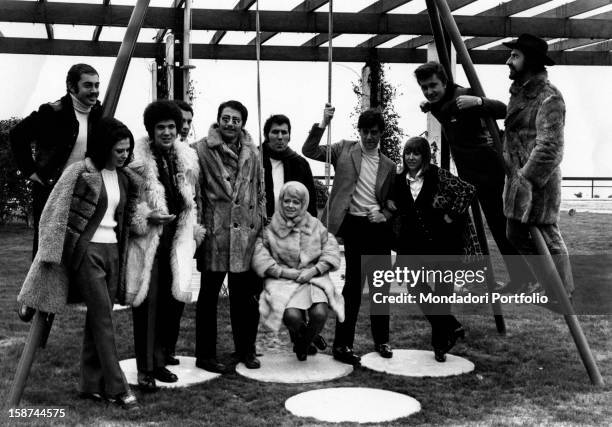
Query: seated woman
(431, 213)
(81, 254)
(295, 254)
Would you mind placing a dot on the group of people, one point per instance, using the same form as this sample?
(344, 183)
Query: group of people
(119, 219)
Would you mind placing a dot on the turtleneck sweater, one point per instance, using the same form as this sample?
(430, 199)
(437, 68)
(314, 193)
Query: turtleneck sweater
(81, 112)
(364, 197)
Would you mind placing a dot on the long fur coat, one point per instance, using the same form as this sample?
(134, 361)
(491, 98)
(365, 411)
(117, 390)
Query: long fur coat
(72, 213)
(533, 150)
(309, 245)
(233, 216)
(142, 248)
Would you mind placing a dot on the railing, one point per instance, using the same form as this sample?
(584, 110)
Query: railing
(591, 179)
(591, 182)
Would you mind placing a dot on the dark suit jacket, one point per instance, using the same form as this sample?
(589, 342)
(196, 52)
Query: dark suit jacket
(346, 159)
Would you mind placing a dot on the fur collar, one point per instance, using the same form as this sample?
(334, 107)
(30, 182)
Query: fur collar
(282, 228)
(531, 87)
(214, 139)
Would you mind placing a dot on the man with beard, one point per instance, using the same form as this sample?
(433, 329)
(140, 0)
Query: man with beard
(461, 115)
(533, 150)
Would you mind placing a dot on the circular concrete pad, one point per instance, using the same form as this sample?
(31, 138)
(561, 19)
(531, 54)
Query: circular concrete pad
(285, 368)
(352, 404)
(187, 373)
(417, 363)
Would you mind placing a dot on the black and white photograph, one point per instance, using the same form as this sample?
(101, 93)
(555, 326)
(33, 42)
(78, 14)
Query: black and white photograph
(306, 212)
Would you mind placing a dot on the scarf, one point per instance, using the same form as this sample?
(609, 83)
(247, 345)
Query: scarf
(283, 156)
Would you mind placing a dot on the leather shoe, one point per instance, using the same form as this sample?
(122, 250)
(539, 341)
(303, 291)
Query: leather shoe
(439, 355)
(319, 342)
(96, 397)
(211, 364)
(126, 401)
(312, 350)
(164, 375)
(171, 360)
(384, 350)
(146, 382)
(345, 355)
(26, 313)
(250, 361)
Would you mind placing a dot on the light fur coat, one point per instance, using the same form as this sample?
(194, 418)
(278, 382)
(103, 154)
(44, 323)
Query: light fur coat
(67, 213)
(142, 248)
(533, 150)
(305, 246)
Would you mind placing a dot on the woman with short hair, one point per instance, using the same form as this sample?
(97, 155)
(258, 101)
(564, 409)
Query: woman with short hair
(430, 219)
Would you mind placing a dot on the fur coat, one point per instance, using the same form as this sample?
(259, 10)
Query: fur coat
(533, 150)
(309, 245)
(71, 215)
(233, 216)
(142, 248)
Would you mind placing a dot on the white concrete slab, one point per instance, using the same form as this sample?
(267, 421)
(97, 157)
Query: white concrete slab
(352, 404)
(417, 363)
(285, 368)
(186, 371)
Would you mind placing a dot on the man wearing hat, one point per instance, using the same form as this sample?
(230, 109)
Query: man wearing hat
(533, 150)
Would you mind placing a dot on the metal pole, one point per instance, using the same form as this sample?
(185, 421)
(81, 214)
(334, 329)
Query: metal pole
(440, 41)
(170, 65)
(490, 273)
(468, 66)
(41, 325)
(330, 61)
(567, 309)
(186, 49)
(123, 58)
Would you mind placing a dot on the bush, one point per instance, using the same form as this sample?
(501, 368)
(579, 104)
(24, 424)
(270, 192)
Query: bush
(15, 191)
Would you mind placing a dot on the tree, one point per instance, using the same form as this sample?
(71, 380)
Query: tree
(381, 95)
(15, 191)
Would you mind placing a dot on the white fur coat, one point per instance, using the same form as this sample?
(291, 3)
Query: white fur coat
(143, 246)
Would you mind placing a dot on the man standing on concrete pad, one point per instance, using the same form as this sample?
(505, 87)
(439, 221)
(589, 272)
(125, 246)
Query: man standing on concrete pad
(233, 210)
(533, 150)
(358, 214)
(461, 115)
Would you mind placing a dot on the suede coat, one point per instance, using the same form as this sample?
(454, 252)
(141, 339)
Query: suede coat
(307, 245)
(232, 215)
(533, 150)
(71, 216)
(152, 198)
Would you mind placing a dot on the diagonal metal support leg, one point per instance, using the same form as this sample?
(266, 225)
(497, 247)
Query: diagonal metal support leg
(490, 274)
(567, 309)
(39, 332)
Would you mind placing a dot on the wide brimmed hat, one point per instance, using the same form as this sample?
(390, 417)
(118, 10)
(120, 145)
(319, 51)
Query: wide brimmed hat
(533, 47)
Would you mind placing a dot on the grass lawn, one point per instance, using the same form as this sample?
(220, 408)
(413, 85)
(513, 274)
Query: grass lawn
(533, 375)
